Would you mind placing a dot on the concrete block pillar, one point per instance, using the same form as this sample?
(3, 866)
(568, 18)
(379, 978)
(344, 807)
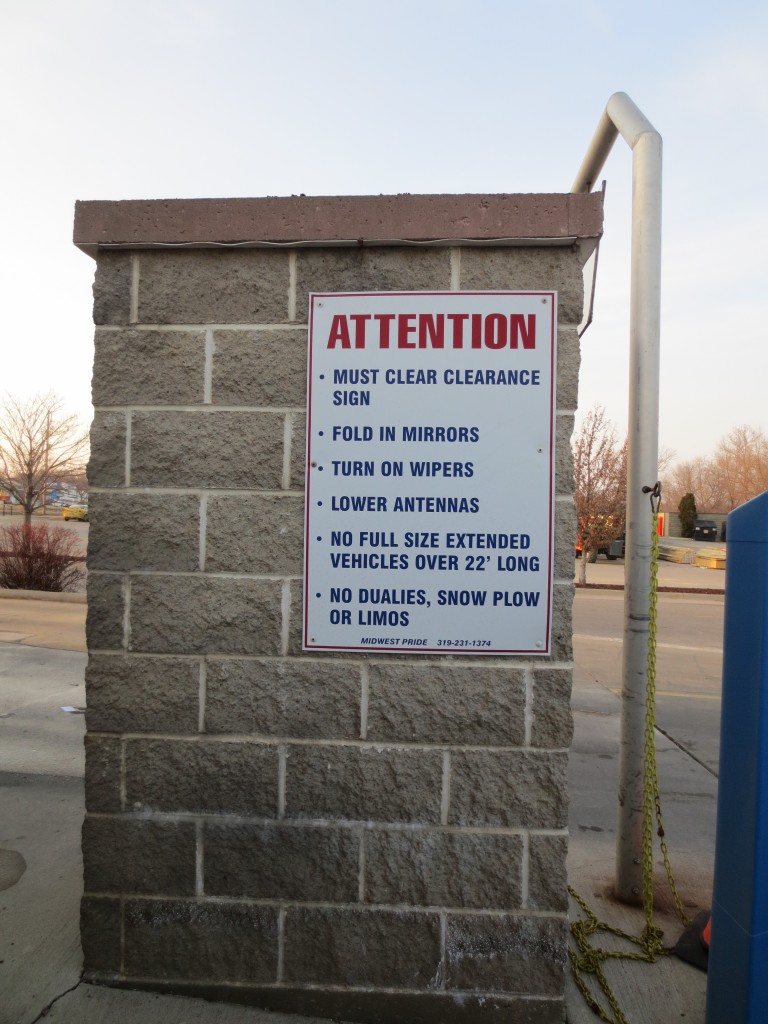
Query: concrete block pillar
(360, 836)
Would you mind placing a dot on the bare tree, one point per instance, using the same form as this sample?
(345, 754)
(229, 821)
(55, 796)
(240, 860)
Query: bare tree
(740, 466)
(692, 477)
(666, 457)
(600, 484)
(736, 472)
(38, 443)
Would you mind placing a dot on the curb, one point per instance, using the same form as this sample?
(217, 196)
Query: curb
(659, 590)
(42, 595)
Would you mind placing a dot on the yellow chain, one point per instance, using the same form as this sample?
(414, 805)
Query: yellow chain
(590, 959)
(652, 792)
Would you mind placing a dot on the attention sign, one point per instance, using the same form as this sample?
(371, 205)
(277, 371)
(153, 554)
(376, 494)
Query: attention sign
(430, 453)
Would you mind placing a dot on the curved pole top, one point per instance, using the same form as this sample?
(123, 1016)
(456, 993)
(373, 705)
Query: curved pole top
(623, 117)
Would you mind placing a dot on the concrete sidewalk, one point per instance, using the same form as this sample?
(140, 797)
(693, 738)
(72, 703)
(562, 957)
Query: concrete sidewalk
(671, 575)
(56, 624)
(669, 990)
(41, 812)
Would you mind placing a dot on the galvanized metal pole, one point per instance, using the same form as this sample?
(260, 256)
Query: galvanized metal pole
(622, 116)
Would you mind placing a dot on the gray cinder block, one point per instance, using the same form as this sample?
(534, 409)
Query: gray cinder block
(383, 269)
(323, 946)
(100, 935)
(441, 868)
(206, 777)
(364, 784)
(200, 940)
(104, 626)
(211, 448)
(260, 368)
(287, 697)
(522, 269)
(506, 954)
(224, 286)
(134, 367)
(509, 789)
(551, 718)
(255, 533)
(112, 288)
(464, 704)
(155, 856)
(159, 532)
(568, 362)
(127, 693)
(106, 465)
(565, 538)
(281, 862)
(102, 774)
(547, 873)
(196, 614)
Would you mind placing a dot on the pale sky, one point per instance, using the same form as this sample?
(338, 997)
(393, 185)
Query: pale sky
(109, 99)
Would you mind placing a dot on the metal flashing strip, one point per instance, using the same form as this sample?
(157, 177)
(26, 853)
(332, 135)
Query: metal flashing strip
(559, 241)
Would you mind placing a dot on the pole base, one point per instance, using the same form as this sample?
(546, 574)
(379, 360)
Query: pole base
(691, 946)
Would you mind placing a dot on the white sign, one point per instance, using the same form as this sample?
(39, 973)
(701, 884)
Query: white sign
(430, 453)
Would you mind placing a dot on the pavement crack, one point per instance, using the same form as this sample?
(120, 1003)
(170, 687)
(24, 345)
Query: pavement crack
(688, 752)
(46, 1009)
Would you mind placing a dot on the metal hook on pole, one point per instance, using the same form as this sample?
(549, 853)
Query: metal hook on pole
(655, 495)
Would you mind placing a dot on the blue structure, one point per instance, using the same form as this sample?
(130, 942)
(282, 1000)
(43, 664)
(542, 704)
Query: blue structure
(738, 958)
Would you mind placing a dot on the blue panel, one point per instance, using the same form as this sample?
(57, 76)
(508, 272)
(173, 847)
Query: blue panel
(738, 961)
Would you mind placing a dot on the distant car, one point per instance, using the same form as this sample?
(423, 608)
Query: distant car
(611, 551)
(705, 529)
(75, 512)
